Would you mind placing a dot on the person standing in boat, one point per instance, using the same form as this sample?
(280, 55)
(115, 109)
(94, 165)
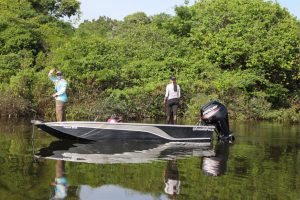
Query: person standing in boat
(171, 100)
(60, 94)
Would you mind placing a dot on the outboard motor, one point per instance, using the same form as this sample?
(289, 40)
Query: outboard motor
(215, 113)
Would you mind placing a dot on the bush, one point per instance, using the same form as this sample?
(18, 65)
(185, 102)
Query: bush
(12, 106)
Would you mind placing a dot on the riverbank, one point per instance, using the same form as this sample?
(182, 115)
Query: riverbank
(245, 55)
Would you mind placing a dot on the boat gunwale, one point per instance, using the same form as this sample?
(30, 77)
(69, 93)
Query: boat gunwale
(121, 123)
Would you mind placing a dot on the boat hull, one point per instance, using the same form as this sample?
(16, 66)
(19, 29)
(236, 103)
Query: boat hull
(120, 131)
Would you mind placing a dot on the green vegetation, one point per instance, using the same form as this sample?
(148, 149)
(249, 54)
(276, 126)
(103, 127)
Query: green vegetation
(244, 53)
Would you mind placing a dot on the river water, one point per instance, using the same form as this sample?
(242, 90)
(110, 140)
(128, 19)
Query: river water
(263, 163)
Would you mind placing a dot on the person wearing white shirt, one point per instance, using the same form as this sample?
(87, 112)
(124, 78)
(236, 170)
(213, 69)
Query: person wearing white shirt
(171, 100)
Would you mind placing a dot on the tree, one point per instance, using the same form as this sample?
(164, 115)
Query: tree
(102, 27)
(137, 18)
(57, 8)
(241, 35)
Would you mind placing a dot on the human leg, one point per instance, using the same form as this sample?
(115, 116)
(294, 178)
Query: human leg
(169, 113)
(60, 111)
(174, 111)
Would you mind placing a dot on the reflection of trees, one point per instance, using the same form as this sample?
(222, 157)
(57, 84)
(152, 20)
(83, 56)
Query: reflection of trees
(18, 172)
(23, 177)
(145, 178)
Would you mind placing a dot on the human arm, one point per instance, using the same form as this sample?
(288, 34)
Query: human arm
(179, 91)
(166, 95)
(50, 75)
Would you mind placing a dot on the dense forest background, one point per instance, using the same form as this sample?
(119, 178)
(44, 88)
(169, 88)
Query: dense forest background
(244, 53)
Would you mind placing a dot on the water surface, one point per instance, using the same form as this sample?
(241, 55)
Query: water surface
(263, 163)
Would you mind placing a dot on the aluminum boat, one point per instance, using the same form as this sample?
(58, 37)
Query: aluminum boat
(214, 116)
(95, 131)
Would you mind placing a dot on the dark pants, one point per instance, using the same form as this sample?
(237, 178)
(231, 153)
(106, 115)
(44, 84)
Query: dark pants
(60, 109)
(172, 107)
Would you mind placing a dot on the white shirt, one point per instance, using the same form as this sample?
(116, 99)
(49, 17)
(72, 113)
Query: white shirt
(172, 186)
(170, 93)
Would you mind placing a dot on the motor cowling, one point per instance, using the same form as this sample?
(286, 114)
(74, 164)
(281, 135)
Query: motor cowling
(215, 113)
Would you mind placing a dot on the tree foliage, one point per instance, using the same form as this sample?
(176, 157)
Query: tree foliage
(57, 8)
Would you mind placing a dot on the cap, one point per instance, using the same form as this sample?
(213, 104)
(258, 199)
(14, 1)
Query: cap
(58, 73)
(173, 78)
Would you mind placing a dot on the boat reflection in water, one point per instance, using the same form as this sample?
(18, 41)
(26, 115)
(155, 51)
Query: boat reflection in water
(172, 181)
(216, 165)
(106, 152)
(110, 152)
